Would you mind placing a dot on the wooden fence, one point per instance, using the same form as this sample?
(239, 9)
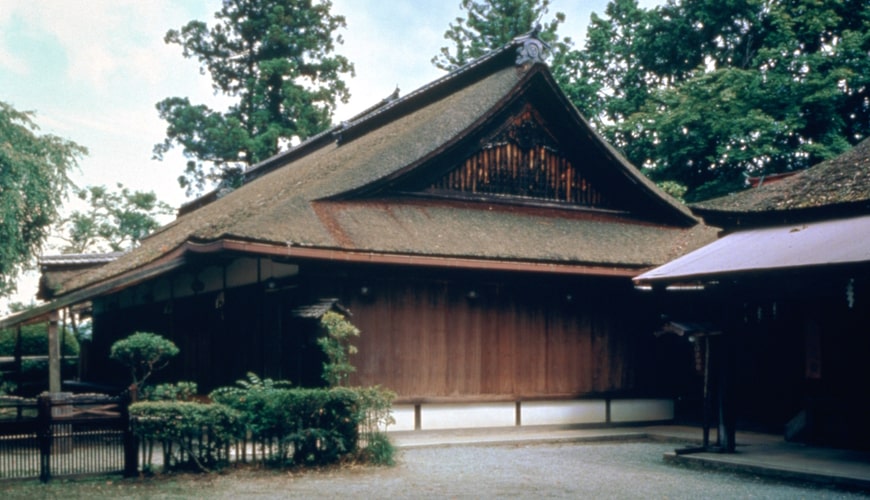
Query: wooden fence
(64, 435)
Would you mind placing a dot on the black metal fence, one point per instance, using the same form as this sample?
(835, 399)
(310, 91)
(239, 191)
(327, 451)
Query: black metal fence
(65, 434)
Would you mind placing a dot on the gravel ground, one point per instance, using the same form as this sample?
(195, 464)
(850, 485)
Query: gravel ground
(621, 470)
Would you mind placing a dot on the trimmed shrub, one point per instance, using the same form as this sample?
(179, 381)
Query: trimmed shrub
(180, 391)
(296, 426)
(143, 353)
(191, 435)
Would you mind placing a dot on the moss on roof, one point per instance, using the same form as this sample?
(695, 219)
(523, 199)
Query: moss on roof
(841, 180)
(291, 205)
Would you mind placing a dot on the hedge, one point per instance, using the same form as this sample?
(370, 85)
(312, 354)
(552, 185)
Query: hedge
(297, 426)
(191, 435)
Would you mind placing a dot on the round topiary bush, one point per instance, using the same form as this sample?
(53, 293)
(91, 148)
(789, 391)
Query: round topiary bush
(143, 353)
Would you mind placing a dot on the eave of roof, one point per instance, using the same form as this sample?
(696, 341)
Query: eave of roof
(77, 259)
(770, 250)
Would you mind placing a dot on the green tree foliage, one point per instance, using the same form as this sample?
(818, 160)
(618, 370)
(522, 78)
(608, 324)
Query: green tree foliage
(33, 178)
(143, 353)
(336, 344)
(113, 222)
(34, 341)
(275, 59)
(704, 92)
(490, 24)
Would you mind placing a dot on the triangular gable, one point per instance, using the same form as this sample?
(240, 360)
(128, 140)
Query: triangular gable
(522, 160)
(531, 148)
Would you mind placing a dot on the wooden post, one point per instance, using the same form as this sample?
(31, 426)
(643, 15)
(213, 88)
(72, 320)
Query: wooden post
(727, 376)
(131, 443)
(54, 376)
(707, 397)
(44, 437)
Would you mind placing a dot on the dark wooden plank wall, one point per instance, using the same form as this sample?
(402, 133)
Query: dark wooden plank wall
(217, 346)
(430, 340)
(422, 335)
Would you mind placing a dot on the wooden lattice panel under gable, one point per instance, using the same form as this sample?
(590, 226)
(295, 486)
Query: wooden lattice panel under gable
(522, 160)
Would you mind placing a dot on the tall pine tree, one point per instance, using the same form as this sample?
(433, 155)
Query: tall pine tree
(490, 24)
(275, 59)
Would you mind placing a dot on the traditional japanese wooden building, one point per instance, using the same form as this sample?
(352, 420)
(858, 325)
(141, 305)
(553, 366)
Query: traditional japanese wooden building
(480, 231)
(788, 285)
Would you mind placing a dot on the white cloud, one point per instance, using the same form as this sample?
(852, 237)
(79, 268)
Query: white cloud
(13, 64)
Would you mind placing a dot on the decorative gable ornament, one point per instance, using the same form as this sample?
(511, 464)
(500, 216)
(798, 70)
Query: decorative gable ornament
(532, 49)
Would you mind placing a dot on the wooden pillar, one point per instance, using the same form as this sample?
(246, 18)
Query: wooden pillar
(54, 385)
(723, 363)
(727, 374)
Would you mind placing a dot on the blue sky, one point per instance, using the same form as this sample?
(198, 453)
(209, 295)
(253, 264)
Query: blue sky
(92, 71)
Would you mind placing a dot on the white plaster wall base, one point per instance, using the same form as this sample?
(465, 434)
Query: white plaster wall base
(593, 411)
(404, 416)
(467, 416)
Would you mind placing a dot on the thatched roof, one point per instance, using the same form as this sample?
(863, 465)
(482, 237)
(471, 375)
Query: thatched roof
(334, 193)
(58, 269)
(836, 187)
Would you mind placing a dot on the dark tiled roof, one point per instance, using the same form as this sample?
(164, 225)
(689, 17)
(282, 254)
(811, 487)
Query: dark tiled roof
(295, 200)
(841, 184)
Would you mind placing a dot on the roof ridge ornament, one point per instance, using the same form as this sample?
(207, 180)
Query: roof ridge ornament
(531, 48)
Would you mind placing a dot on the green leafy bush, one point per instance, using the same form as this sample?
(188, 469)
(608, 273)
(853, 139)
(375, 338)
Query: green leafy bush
(375, 404)
(337, 347)
(181, 391)
(379, 450)
(34, 342)
(295, 426)
(375, 407)
(191, 435)
(143, 353)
